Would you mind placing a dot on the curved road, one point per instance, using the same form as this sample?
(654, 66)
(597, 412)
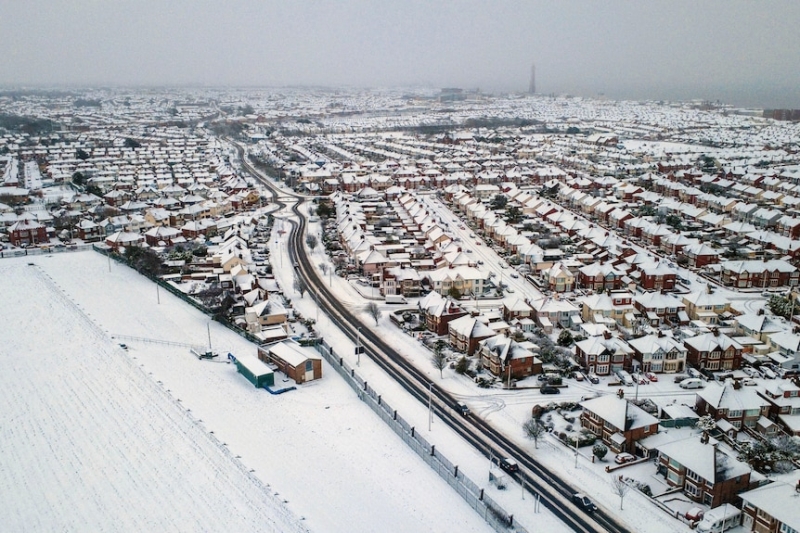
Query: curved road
(555, 492)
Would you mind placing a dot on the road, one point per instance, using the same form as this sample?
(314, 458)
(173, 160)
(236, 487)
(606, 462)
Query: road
(555, 492)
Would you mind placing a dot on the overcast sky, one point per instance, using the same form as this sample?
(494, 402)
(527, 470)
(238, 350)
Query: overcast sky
(740, 51)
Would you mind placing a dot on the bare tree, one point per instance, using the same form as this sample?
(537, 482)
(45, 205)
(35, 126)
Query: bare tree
(374, 311)
(620, 488)
(438, 358)
(534, 430)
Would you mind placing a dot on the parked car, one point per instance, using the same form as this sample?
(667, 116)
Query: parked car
(749, 382)
(652, 377)
(750, 371)
(623, 458)
(692, 383)
(694, 373)
(578, 376)
(768, 373)
(625, 378)
(583, 501)
(514, 275)
(549, 389)
(509, 465)
(695, 514)
(594, 379)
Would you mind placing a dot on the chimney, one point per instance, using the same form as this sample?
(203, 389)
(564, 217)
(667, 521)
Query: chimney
(606, 334)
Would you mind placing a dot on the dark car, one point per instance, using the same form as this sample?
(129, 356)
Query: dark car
(509, 465)
(462, 408)
(583, 501)
(549, 389)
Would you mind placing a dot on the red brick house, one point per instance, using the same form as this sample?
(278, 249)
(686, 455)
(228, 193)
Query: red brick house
(739, 406)
(600, 276)
(617, 422)
(714, 351)
(438, 311)
(26, 232)
(656, 277)
(699, 255)
(466, 332)
(506, 358)
(704, 473)
(763, 274)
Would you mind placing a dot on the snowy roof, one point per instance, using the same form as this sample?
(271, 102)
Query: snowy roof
(778, 499)
(619, 412)
(706, 460)
(292, 353)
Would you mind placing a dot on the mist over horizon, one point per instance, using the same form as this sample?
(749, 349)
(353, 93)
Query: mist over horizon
(738, 52)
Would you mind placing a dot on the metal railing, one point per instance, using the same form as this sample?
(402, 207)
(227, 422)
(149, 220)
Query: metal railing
(475, 496)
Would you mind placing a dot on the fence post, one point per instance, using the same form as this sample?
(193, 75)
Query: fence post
(352, 372)
(341, 359)
(394, 416)
(379, 399)
(433, 449)
(455, 472)
(412, 431)
(365, 385)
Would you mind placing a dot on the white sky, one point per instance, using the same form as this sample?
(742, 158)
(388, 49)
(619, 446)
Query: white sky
(736, 50)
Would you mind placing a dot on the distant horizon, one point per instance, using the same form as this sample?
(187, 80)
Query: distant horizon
(725, 96)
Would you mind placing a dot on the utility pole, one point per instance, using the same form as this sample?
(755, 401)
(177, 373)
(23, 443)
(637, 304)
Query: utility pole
(358, 346)
(430, 405)
(576, 452)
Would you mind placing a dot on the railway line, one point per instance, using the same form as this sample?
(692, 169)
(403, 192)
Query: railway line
(554, 492)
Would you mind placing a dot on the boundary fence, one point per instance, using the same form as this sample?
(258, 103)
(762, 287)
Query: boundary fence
(474, 495)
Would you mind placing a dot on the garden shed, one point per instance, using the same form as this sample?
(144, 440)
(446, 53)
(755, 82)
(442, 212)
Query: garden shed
(255, 371)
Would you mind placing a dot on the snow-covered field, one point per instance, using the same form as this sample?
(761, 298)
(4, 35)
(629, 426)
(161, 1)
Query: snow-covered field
(88, 442)
(123, 440)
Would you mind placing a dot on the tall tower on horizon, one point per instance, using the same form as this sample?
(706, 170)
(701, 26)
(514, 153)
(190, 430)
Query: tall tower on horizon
(532, 84)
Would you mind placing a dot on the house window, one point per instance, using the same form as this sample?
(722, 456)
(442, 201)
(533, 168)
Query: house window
(309, 366)
(673, 478)
(785, 528)
(734, 413)
(691, 489)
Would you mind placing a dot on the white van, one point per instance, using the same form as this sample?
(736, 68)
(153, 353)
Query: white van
(720, 519)
(692, 383)
(395, 299)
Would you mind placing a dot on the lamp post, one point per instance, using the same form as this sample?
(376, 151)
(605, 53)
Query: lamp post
(430, 405)
(358, 346)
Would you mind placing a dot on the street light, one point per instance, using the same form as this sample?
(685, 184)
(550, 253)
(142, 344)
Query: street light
(359, 348)
(430, 405)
